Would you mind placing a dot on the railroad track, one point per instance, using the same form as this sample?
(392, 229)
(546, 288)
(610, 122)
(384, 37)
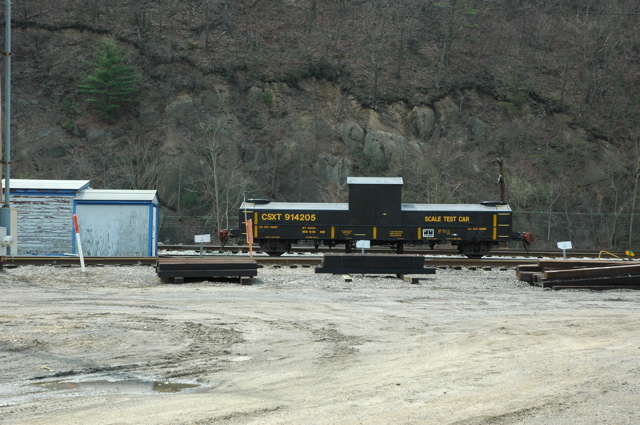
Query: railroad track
(68, 261)
(285, 261)
(307, 256)
(519, 264)
(498, 252)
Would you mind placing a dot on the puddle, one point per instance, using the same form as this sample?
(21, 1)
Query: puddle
(116, 386)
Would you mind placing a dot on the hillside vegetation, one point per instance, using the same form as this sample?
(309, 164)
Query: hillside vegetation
(286, 98)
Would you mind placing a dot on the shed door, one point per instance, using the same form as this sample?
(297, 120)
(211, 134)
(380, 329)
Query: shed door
(114, 230)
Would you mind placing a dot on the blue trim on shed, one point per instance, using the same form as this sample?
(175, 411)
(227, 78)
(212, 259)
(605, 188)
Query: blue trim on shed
(74, 248)
(153, 224)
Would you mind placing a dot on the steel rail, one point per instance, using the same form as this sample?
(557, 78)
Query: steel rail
(286, 261)
(51, 260)
(498, 252)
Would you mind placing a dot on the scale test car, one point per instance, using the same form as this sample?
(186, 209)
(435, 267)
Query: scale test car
(375, 213)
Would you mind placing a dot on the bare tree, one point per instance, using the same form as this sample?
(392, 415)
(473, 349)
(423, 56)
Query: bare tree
(226, 16)
(457, 16)
(96, 11)
(334, 191)
(403, 17)
(219, 178)
(141, 162)
(436, 177)
(313, 10)
(599, 43)
(543, 44)
(634, 194)
(374, 33)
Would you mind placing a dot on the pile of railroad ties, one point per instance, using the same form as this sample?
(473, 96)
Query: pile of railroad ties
(581, 274)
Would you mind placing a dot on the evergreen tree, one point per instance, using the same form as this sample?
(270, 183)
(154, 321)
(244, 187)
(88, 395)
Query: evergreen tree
(112, 84)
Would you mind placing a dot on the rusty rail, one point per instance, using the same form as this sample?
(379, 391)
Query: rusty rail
(286, 261)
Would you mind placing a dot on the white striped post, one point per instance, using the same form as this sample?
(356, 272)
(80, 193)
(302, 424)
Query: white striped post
(79, 242)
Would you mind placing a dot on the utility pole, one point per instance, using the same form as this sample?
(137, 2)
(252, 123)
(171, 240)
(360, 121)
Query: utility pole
(503, 195)
(1, 157)
(5, 211)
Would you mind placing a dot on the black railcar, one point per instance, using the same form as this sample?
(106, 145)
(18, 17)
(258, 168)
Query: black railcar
(375, 213)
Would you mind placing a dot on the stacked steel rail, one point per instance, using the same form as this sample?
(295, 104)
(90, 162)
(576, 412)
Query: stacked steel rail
(582, 274)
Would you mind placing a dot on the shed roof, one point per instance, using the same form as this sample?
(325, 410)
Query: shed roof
(47, 185)
(374, 180)
(117, 195)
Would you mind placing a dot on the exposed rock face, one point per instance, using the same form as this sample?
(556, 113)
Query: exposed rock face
(302, 139)
(352, 135)
(477, 127)
(380, 146)
(331, 168)
(422, 121)
(181, 111)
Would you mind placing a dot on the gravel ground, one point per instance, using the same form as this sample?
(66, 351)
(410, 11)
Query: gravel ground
(460, 347)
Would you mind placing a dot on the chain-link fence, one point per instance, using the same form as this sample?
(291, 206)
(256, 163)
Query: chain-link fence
(584, 230)
(182, 229)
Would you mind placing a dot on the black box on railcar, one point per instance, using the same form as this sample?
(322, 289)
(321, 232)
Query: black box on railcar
(375, 201)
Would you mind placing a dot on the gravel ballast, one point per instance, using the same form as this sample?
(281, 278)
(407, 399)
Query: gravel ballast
(459, 347)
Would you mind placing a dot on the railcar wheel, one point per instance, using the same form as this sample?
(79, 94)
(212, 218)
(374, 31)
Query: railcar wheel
(474, 249)
(275, 248)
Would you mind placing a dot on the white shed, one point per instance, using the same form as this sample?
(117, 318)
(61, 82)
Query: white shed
(44, 214)
(117, 223)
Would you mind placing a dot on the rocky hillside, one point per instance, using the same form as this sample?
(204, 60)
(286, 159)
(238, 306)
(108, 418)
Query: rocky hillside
(284, 99)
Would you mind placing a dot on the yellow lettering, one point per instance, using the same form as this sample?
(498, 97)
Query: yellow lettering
(463, 219)
(299, 217)
(433, 219)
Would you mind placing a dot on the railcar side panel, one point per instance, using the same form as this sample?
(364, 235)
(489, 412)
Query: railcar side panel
(273, 222)
(418, 224)
(459, 223)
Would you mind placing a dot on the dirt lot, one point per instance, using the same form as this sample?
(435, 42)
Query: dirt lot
(461, 347)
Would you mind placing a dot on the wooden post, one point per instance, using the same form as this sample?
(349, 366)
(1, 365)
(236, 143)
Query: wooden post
(249, 226)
